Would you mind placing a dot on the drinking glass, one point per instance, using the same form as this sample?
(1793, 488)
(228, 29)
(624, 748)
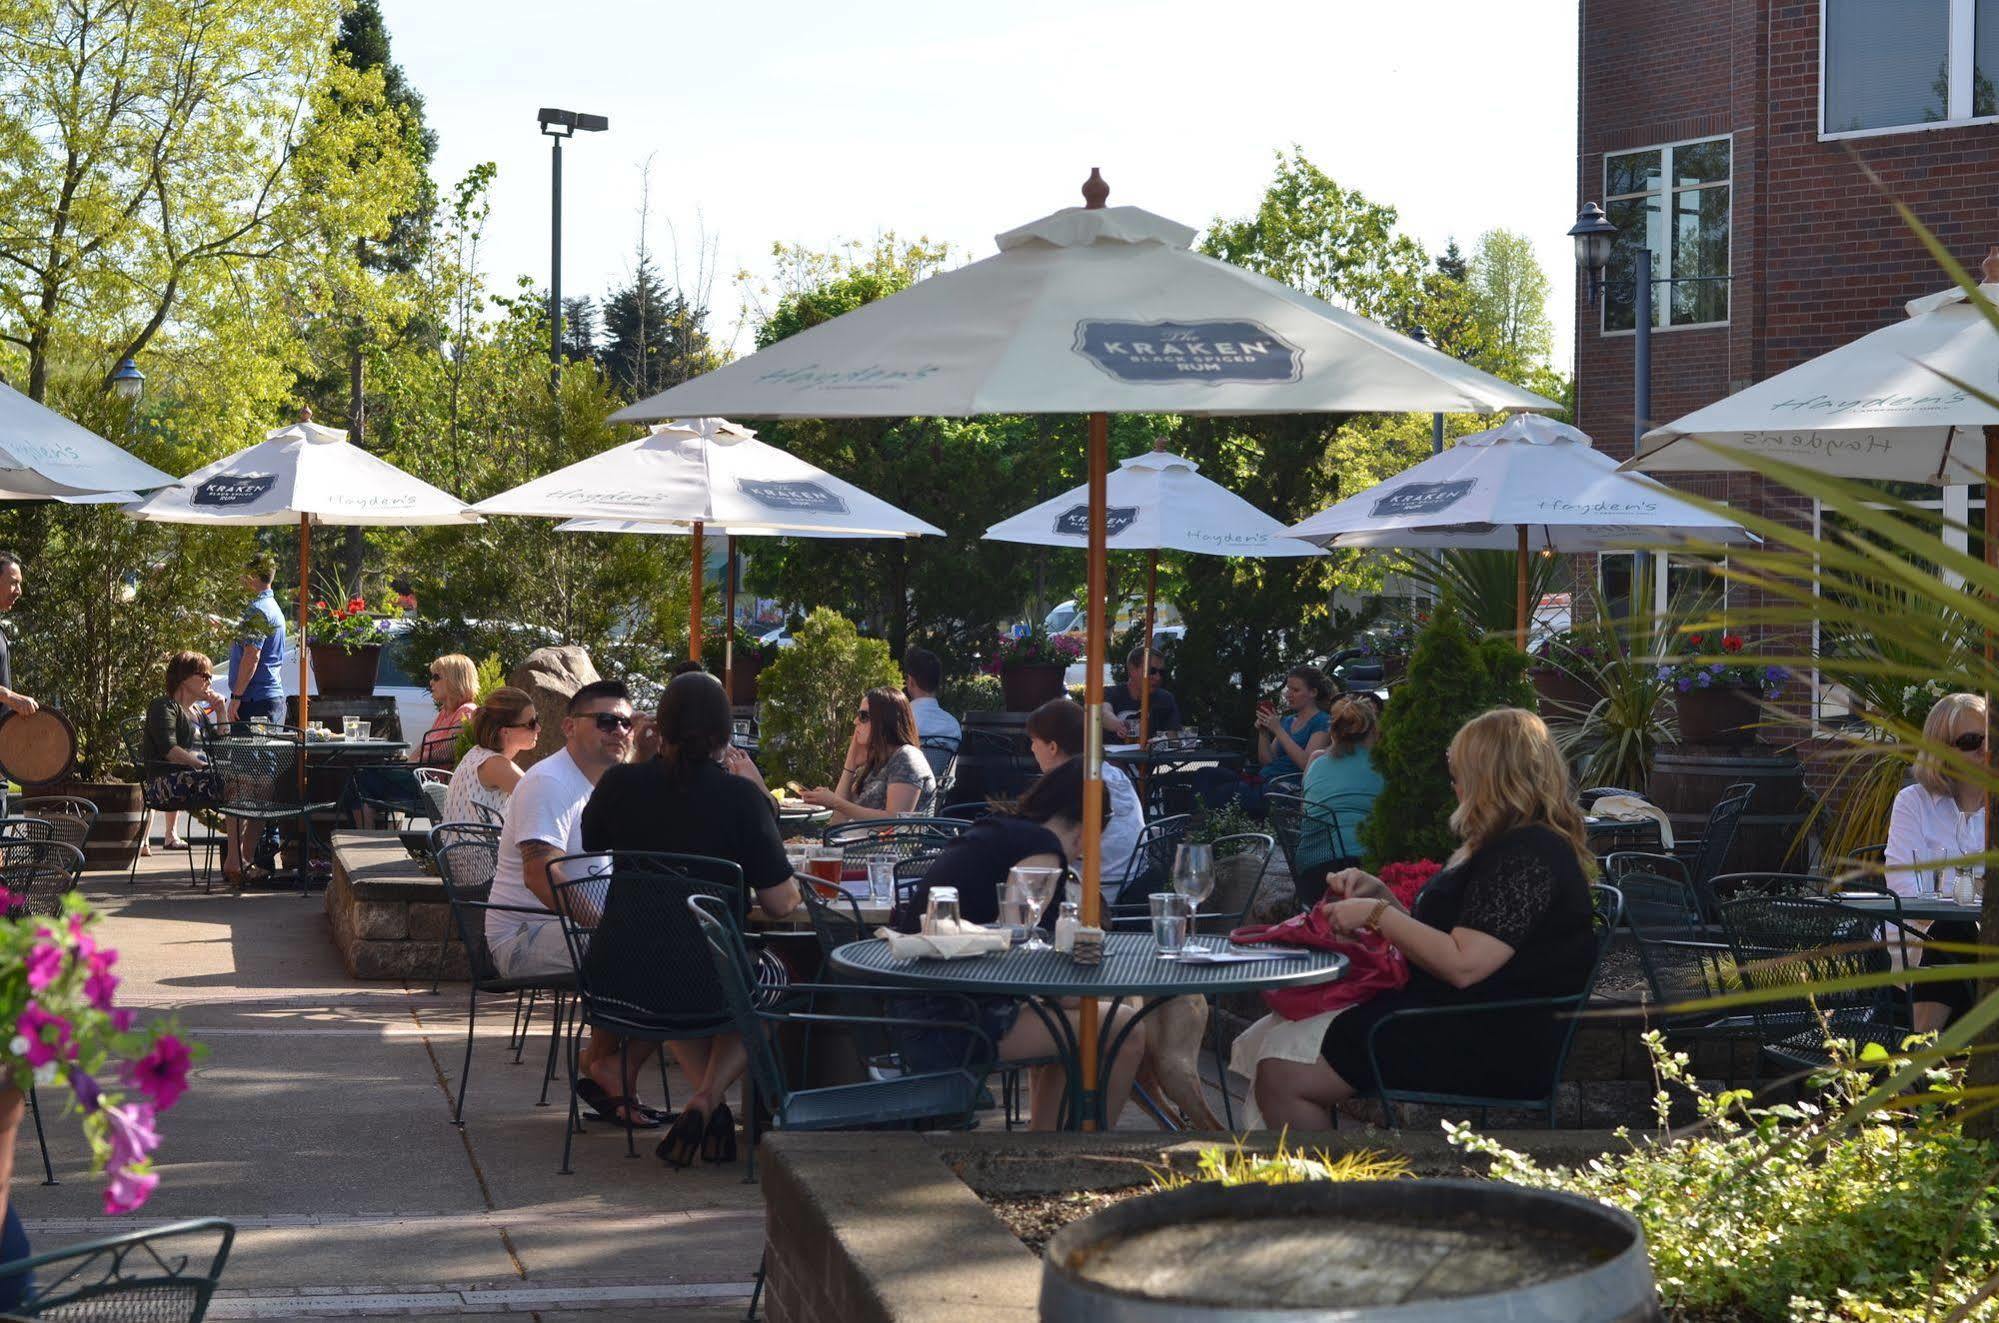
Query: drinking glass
(348, 727)
(365, 729)
(881, 882)
(1194, 878)
(1172, 922)
(1038, 886)
(826, 863)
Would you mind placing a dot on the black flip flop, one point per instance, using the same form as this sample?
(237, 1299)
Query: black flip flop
(606, 1106)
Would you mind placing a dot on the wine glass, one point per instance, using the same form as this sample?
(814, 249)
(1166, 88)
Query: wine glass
(1038, 886)
(1194, 878)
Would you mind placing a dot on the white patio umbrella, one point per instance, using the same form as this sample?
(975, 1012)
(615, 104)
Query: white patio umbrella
(702, 474)
(1091, 310)
(1155, 502)
(1530, 484)
(46, 457)
(304, 474)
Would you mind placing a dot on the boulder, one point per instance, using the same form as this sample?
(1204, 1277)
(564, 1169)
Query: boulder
(552, 675)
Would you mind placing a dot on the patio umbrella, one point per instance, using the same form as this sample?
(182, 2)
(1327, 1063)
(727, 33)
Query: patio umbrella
(1530, 484)
(1155, 502)
(705, 474)
(1091, 310)
(304, 474)
(44, 456)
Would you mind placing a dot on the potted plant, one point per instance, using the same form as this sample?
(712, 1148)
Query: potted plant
(1614, 740)
(752, 654)
(1030, 665)
(1562, 673)
(344, 637)
(1720, 698)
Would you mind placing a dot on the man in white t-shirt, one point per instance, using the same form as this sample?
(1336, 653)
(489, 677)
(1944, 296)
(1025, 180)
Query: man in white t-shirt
(1054, 736)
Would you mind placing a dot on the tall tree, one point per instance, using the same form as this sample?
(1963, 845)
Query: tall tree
(1510, 292)
(653, 339)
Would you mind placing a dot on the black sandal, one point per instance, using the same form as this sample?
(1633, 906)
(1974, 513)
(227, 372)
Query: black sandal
(718, 1141)
(609, 1107)
(685, 1140)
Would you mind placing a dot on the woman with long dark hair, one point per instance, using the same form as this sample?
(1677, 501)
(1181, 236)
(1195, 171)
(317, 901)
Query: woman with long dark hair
(884, 774)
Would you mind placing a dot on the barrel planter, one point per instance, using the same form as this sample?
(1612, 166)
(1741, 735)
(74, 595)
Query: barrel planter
(339, 672)
(993, 758)
(1719, 717)
(121, 819)
(1359, 1251)
(743, 679)
(1028, 687)
(1688, 781)
(1562, 694)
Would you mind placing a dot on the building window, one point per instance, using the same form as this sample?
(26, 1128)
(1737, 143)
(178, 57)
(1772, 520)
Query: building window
(1674, 201)
(1690, 585)
(1907, 65)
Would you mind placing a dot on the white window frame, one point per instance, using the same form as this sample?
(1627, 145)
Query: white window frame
(1662, 261)
(1662, 562)
(1961, 55)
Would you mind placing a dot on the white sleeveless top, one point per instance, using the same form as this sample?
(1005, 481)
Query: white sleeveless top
(467, 789)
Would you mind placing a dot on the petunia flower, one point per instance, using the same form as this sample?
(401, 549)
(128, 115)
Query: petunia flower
(162, 1072)
(127, 1191)
(44, 965)
(43, 1049)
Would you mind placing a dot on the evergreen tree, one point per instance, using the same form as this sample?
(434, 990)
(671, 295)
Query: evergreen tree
(364, 43)
(1452, 263)
(579, 328)
(652, 337)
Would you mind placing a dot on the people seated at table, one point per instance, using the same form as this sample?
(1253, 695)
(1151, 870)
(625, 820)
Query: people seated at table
(1286, 741)
(1508, 917)
(1043, 830)
(544, 822)
(454, 687)
(699, 796)
(884, 773)
(922, 677)
(177, 771)
(504, 727)
(1938, 817)
(1121, 702)
(1055, 736)
(1340, 787)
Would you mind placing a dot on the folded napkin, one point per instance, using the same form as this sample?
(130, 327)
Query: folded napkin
(1630, 808)
(969, 940)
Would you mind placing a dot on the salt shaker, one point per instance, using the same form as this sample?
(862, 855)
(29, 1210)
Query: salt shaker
(1963, 889)
(1086, 946)
(1066, 924)
(943, 909)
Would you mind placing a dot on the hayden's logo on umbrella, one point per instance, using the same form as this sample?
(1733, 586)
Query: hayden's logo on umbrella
(792, 495)
(1211, 352)
(1075, 521)
(1422, 498)
(234, 489)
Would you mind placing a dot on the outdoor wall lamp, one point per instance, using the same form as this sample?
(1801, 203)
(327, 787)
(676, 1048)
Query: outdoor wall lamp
(1593, 234)
(127, 382)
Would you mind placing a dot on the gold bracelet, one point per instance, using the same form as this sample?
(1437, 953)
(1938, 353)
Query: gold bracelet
(1374, 915)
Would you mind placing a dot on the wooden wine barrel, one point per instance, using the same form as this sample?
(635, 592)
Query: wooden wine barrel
(121, 817)
(1689, 780)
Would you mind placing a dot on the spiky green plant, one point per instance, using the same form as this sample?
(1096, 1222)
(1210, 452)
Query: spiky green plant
(1613, 743)
(1235, 1165)
(1484, 584)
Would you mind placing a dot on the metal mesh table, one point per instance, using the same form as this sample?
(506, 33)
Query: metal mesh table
(1131, 968)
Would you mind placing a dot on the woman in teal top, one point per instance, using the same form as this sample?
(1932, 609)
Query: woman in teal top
(1285, 744)
(1340, 789)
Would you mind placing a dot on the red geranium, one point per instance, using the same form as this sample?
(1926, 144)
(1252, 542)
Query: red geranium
(1405, 879)
(1731, 643)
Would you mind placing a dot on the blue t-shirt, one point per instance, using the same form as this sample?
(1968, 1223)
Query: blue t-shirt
(264, 633)
(1301, 733)
(1339, 788)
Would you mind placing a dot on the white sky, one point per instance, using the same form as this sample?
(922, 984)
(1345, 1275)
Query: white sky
(771, 120)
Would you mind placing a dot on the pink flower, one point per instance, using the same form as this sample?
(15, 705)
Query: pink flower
(162, 1072)
(41, 1048)
(98, 986)
(121, 1019)
(132, 1135)
(44, 965)
(127, 1191)
(8, 901)
(86, 945)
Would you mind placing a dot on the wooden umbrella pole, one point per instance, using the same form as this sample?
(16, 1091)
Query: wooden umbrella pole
(1093, 740)
(694, 597)
(729, 620)
(1520, 594)
(1147, 627)
(304, 653)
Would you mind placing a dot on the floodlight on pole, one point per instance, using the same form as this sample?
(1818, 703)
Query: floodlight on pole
(557, 125)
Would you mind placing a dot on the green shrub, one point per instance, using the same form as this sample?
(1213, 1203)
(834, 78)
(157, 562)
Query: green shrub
(976, 692)
(1452, 678)
(806, 699)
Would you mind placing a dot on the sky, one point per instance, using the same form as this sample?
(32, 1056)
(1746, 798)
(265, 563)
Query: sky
(778, 121)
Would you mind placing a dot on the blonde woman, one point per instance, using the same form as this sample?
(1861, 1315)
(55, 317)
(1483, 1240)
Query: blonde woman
(1940, 816)
(454, 687)
(1508, 917)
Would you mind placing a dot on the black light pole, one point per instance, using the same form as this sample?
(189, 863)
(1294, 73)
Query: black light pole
(1436, 419)
(557, 125)
(1594, 235)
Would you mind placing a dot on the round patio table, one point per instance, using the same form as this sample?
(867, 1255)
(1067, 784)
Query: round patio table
(1921, 908)
(1173, 760)
(1132, 967)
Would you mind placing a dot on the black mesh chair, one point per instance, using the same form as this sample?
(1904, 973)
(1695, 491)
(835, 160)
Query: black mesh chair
(1307, 830)
(469, 880)
(260, 765)
(37, 874)
(27, 829)
(1684, 970)
(465, 865)
(438, 748)
(1564, 1014)
(1736, 886)
(72, 818)
(941, 752)
(1699, 860)
(1655, 904)
(641, 963)
(388, 788)
(132, 735)
(1782, 942)
(1151, 862)
(893, 839)
(163, 1274)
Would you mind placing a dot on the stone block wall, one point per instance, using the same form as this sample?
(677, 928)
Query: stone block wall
(390, 918)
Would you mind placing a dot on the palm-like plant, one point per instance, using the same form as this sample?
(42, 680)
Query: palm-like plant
(1484, 584)
(1612, 744)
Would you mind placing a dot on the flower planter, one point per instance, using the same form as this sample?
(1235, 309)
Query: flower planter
(1394, 669)
(1028, 687)
(339, 672)
(1724, 717)
(121, 816)
(743, 680)
(1562, 694)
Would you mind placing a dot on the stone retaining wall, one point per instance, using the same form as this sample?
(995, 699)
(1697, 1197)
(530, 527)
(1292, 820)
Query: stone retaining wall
(389, 916)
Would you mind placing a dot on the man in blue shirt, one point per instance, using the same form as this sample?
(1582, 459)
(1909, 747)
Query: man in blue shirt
(256, 658)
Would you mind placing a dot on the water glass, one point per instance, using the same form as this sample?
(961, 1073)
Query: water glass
(881, 882)
(366, 730)
(1194, 876)
(350, 726)
(1172, 919)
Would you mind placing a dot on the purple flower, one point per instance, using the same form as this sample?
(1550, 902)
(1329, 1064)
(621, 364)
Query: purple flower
(44, 965)
(127, 1191)
(132, 1133)
(1685, 686)
(85, 1089)
(42, 1049)
(162, 1072)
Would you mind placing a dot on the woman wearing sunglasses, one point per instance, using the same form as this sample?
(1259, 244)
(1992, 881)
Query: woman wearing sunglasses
(454, 687)
(1938, 818)
(884, 774)
(504, 727)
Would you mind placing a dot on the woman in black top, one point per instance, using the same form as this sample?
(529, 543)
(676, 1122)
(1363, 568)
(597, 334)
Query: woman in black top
(699, 796)
(1044, 830)
(1508, 917)
(176, 771)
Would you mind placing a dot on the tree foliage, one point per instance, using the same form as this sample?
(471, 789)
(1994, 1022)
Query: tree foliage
(809, 693)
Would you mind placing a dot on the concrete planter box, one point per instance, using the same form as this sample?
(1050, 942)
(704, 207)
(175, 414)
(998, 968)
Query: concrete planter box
(389, 917)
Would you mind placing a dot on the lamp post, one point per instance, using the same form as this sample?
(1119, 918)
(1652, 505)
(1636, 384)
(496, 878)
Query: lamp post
(128, 384)
(1595, 235)
(555, 126)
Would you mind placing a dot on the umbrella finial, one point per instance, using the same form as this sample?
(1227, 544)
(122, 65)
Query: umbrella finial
(1988, 270)
(305, 413)
(1095, 191)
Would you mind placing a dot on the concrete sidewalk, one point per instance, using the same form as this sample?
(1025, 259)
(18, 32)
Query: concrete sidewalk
(320, 1126)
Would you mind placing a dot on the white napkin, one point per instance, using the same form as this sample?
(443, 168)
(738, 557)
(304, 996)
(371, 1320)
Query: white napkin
(1630, 808)
(968, 940)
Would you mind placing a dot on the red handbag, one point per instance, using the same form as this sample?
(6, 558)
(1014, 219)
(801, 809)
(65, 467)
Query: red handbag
(1374, 964)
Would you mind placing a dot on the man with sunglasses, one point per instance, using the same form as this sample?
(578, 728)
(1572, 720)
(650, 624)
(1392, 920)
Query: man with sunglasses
(1121, 703)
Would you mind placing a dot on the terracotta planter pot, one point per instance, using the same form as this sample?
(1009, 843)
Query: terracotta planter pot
(345, 673)
(1028, 687)
(1562, 694)
(1723, 718)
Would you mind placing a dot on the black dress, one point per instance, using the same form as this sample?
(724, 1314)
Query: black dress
(1527, 889)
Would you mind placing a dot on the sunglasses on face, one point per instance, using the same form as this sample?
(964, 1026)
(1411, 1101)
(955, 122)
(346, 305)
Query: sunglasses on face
(609, 722)
(861, 717)
(1971, 742)
(532, 723)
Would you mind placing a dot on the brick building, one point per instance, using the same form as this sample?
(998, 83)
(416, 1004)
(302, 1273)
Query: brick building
(1731, 135)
